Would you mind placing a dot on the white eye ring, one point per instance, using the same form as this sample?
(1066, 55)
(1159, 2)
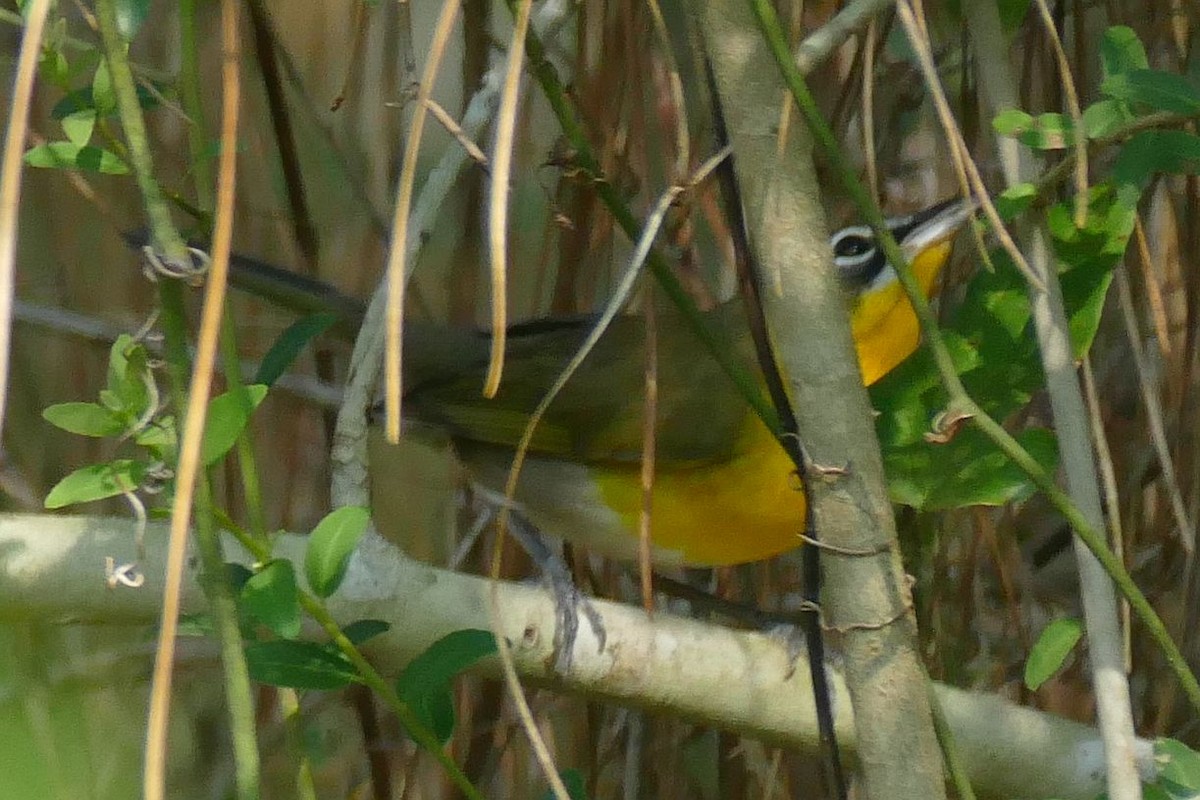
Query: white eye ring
(853, 246)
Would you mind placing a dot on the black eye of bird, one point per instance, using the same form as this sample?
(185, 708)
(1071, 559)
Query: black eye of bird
(851, 246)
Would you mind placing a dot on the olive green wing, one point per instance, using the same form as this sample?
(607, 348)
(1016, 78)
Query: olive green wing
(598, 415)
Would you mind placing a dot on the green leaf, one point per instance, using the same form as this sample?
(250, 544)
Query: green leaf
(363, 630)
(228, 415)
(330, 546)
(84, 419)
(129, 379)
(1044, 132)
(238, 575)
(425, 683)
(104, 97)
(299, 665)
(118, 361)
(969, 470)
(1149, 152)
(1178, 764)
(133, 388)
(159, 436)
(289, 344)
(908, 397)
(1015, 200)
(1161, 91)
(1012, 13)
(81, 99)
(79, 126)
(1105, 117)
(271, 597)
(67, 155)
(1154, 791)
(1057, 641)
(73, 103)
(1121, 51)
(53, 65)
(96, 482)
(1011, 121)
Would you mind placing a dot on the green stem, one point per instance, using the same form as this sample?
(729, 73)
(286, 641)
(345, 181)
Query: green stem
(246, 459)
(223, 607)
(162, 229)
(193, 105)
(960, 401)
(238, 692)
(306, 788)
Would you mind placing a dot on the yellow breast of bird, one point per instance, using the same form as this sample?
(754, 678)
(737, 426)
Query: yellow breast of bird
(747, 508)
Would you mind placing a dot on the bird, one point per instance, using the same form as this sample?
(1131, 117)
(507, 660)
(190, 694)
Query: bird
(724, 491)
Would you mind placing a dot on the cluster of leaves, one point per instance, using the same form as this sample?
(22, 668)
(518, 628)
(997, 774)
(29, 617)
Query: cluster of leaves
(1132, 92)
(1178, 772)
(270, 601)
(992, 339)
(129, 410)
(86, 112)
(991, 333)
(270, 598)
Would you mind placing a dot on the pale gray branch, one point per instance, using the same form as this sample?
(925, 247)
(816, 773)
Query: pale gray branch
(52, 569)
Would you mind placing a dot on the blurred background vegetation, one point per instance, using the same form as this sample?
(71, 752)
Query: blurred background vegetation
(72, 697)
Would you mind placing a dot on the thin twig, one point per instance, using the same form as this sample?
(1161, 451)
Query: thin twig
(1158, 309)
(683, 155)
(448, 122)
(1154, 414)
(868, 110)
(396, 277)
(502, 152)
(968, 172)
(830, 36)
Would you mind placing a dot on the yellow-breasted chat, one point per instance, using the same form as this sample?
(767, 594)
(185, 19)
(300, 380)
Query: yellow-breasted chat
(723, 488)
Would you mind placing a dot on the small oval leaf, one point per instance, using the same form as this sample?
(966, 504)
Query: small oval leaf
(289, 344)
(271, 597)
(79, 126)
(364, 630)
(299, 665)
(96, 482)
(1051, 650)
(228, 415)
(84, 419)
(1178, 763)
(67, 155)
(425, 683)
(330, 546)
